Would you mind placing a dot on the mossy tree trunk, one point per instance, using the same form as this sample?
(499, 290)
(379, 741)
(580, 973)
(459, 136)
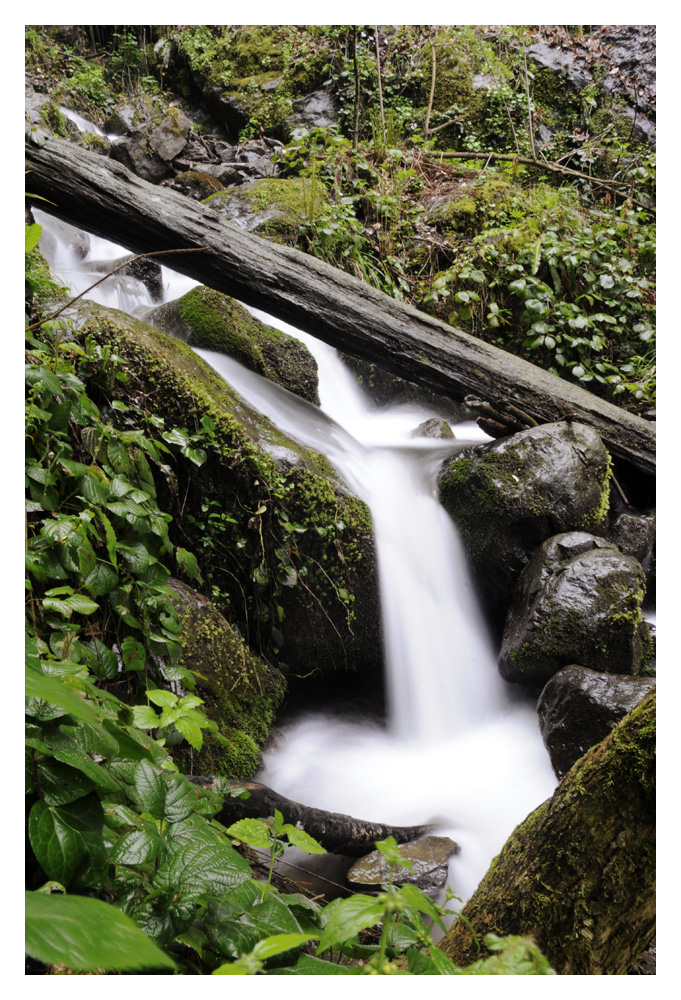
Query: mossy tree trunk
(579, 874)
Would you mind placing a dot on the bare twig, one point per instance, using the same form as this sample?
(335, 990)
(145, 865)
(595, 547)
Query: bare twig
(380, 87)
(529, 103)
(139, 256)
(432, 88)
(355, 127)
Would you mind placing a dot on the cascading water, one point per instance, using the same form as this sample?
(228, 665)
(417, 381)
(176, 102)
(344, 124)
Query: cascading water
(461, 747)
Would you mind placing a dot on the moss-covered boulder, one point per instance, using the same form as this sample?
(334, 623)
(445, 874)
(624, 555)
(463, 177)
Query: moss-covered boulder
(196, 184)
(240, 691)
(273, 207)
(509, 496)
(208, 319)
(287, 551)
(578, 601)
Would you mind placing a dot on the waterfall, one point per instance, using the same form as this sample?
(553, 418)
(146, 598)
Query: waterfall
(462, 747)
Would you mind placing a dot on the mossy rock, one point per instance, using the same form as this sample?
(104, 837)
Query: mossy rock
(208, 319)
(578, 601)
(196, 184)
(241, 692)
(273, 207)
(509, 496)
(467, 212)
(299, 577)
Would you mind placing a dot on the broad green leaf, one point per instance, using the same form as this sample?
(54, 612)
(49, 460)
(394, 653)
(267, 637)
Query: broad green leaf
(190, 730)
(186, 561)
(442, 962)
(61, 607)
(51, 690)
(61, 784)
(32, 236)
(302, 840)
(199, 868)
(254, 832)
(150, 787)
(350, 916)
(101, 579)
(145, 717)
(415, 897)
(137, 847)
(134, 654)
(278, 943)
(81, 604)
(87, 935)
(67, 841)
(164, 699)
(101, 660)
(181, 798)
(135, 556)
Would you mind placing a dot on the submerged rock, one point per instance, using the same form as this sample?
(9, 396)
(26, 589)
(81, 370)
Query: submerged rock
(578, 708)
(206, 318)
(577, 601)
(434, 428)
(508, 496)
(430, 866)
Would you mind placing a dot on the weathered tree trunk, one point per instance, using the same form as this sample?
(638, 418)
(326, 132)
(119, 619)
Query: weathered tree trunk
(579, 874)
(104, 197)
(336, 832)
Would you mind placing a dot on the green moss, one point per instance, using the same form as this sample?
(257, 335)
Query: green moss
(52, 116)
(275, 207)
(595, 520)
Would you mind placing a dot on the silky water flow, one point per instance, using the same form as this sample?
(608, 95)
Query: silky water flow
(460, 748)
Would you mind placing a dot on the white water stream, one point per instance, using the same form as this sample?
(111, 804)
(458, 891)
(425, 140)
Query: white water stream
(461, 746)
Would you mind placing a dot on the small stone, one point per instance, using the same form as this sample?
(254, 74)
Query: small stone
(430, 860)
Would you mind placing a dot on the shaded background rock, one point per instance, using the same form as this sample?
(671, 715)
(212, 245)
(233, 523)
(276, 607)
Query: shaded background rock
(578, 601)
(578, 708)
(274, 207)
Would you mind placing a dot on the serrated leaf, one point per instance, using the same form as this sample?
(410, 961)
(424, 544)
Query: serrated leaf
(348, 918)
(303, 840)
(186, 561)
(164, 699)
(51, 690)
(150, 787)
(253, 832)
(135, 556)
(197, 868)
(145, 717)
(101, 579)
(137, 847)
(190, 730)
(87, 935)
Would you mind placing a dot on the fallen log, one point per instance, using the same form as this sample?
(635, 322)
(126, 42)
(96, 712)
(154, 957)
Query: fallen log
(104, 197)
(337, 832)
(578, 875)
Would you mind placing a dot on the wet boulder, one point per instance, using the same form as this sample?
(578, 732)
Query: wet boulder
(634, 534)
(508, 496)
(429, 858)
(196, 184)
(273, 207)
(208, 319)
(578, 601)
(578, 708)
(150, 147)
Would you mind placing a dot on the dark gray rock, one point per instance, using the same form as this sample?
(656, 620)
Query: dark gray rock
(577, 601)
(150, 147)
(578, 708)
(634, 534)
(509, 496)
(146, 270)
(430, 865)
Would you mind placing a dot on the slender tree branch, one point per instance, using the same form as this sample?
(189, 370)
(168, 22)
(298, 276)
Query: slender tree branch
(139, 256)
(380, 87)
(355, 127)
(432, 88)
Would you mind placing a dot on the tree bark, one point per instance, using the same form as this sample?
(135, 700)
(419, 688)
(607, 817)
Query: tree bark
(336, 832)
(579, 874)
(104, 197)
